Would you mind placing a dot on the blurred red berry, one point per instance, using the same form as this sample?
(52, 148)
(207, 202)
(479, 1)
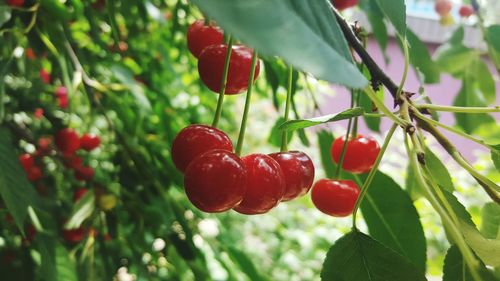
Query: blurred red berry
(45, 76)
(72, 161)
(84, 173)
(466, 11)
(27, 161)
(30, 54)
(34, 173)
(15, 3)
(79, 193)
(38, 113)
(89, 142)
(44, 148)
(74, 235)
(67, 140)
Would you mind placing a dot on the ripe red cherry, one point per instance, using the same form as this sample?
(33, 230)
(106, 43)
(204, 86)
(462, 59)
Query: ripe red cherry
(443, 7)
(79, 193)
(15, 3)
(211, 68)
(335, 197)
(74, 235)
(61, 91)
(27, 161)
(344, 4)
(34, 173)
(30, 54)
(89, 142)
(466, 11)
(200, 36)
(45, 76)
(360, 155)
(298, 171)
(72, 161)
(265, 185)
(84, 173)
(38, 113)
(68, 141)
(215, 181)
(195, 140)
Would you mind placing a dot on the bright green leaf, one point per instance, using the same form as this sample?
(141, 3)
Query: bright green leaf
(311, 42)
(421, 59)
(395, 11)
(358, 257)
(455, 268)
(454, 59)
(457, 38)
(304, 123)
(438, 170)
(81, 211)
(493, 32)
(484, 80)
(495, 156)
(376, 19)
(325, 140)
(490, 226)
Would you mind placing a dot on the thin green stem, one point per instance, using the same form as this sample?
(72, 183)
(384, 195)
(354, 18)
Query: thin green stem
(338, 170)
(459, 109)
(404, 43)
(452, 228)
(284, 133)
(373, 171)
(220, 101)
(381, 106)
(243, 127)
(355, 125)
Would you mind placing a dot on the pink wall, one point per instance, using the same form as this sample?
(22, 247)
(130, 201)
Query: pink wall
(442, 93)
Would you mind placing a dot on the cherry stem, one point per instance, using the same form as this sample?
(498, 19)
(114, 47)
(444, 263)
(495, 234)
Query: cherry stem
(373, 171)
(355, 126)
(338, 170)
(284, 133)
(243, 127)
(220, 101)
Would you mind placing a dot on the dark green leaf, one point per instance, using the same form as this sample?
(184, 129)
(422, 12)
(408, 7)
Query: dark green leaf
(421, 59)
(358, 257)
(393, 220)
(325, 140)
(455, 268)
(490, 226)
(304, 123)
(395, 11)
(310, 41)
(454, 59)
(493, 32)
(57, 265)
(5, 13)
(15, 189)
(376, 19)
(438, 170)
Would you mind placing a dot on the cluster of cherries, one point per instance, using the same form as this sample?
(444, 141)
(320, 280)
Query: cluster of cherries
(15, 3)
(443, 9)
(338, 197)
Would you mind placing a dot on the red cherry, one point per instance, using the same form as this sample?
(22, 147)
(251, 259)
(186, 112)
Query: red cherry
(89, 142)
(443, 7)
(61, 91)
(265, 185)
(44, 148)
(68, 141)
(38, 113)
(27, 161)
(298, 171)
(15, 3)
(74, 235)
(34, 173)
(83, 173)
(45, 76)
(211, 68)
(195, 140)
(79, 193)
(466, 11)
(72, 161)
(344, 4)
(335, 197)
(215, 181)
(360, 154)
(200, 36)
(30, 54)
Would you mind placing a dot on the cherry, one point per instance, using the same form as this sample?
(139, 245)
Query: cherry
(195, 140)
(79, 193)
(211, 68)
(72, 161)
(45, 76)
(443, 7)
(44, 148)
(68, 141)
(61, 94)
(344, 4)
(216, 181)
(74, 235)
(15, 3)
(34, 173)
(30, 54)
(298, 171)
(27, 161)
(360, 155)
(201, 35)
(265, 185)
(89, 142)
(84, 173)
(335, 197)
(466, 11)
(38, 113)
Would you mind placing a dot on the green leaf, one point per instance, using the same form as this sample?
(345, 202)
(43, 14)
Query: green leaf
(454, 59)
(455, 268)
(57, 265)
(275, 135)
(395, 11)
(358, 257)
(490, 226)
(457, 38)
(438, 170)
(15, 189)
(393, 220)
(484, 80)
(376, 19)
(81, 211)
(486, 249)
(309, 38)
(493, 32)
(421, 59)
(495, 156)
(304, 123)
(126, 77)
(5, 13)
(245, 263)
(325, 139)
